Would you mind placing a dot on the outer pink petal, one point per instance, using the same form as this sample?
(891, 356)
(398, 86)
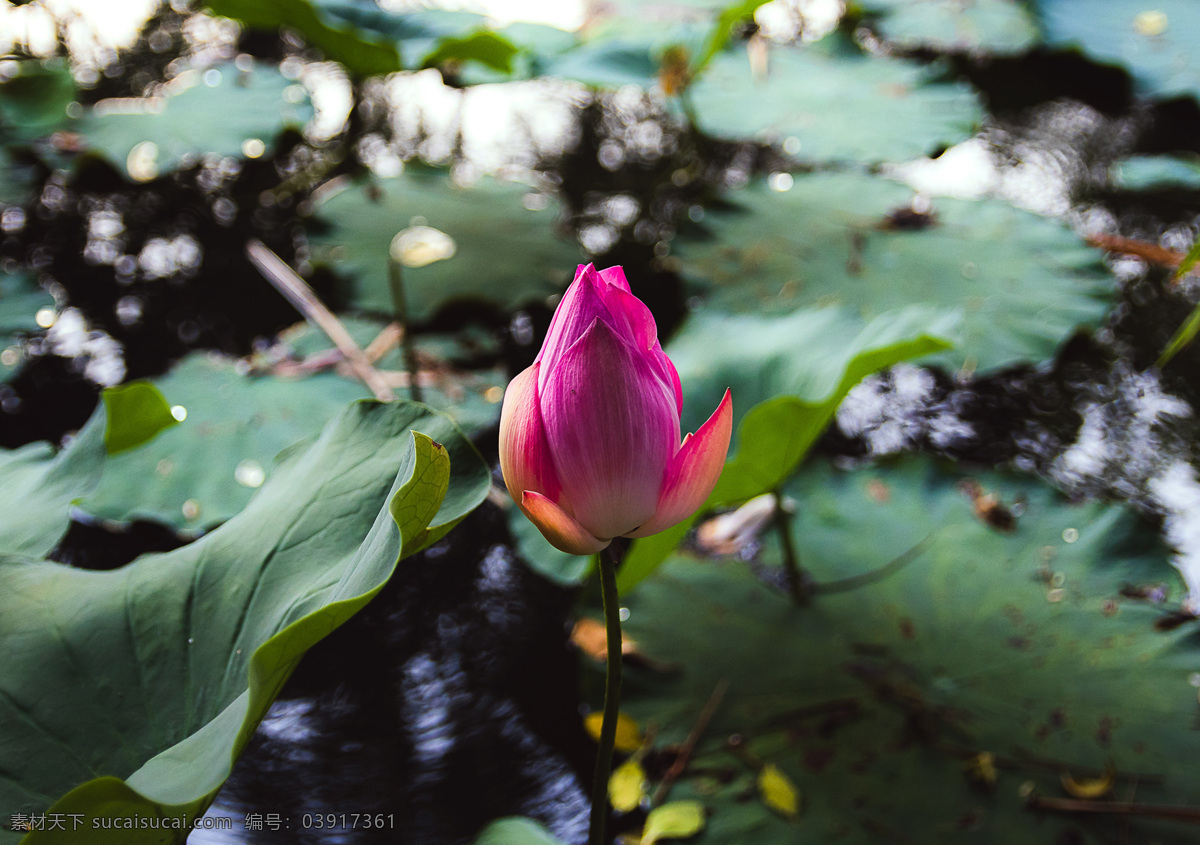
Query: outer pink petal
(635, 322)
(558, 527)
(525, 458)
(615, 276)
(630, 317)
(581, 305)
(693, 471)
(669, 374)
(612, 427)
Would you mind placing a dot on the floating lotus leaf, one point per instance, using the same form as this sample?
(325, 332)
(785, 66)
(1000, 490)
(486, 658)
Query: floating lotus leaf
(1155, 42)
(206, 112)
(1023, 283)
(840, 104)
(626, 52)
(816, 354)
(992, 27)
(208, 467)
(504, 254)
(959, 639)
(129, 693)
(788, 376)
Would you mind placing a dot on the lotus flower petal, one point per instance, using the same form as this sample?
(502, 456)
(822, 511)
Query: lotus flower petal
(615, 276)
(612, 426)
(669, 374)
(581, 305)
(525, 458)
(630, 317)
(693, 472)
(558, 527)
(636, 323)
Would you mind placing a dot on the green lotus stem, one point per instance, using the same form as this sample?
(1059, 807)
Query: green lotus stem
(400, 306)
(608, 560)
(791, 561)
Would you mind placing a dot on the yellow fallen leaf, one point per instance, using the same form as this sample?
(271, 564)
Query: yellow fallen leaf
(677, 820)
(1091, 787)
(981, 769)
(590, 636)
(627, 786)
(778, 792)
(629, 735)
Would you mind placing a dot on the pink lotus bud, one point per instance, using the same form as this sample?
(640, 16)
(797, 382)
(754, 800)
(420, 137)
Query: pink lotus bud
(589, 435)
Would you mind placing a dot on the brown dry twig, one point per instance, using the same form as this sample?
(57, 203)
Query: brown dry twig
(1120, 808)
(285, 280)
(689, 744)
(1153, 253)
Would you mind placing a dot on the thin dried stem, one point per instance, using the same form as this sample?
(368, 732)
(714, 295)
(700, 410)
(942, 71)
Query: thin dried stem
(285, 280)
(1118, 808)
(689, 744)
(1153, 253)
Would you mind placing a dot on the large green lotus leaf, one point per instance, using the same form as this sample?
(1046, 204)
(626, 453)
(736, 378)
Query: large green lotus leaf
(20, 300)
(206, 469)
(1016, 644)
(626, 52)
(810, 353)
(839, 103)
(627, 42)
(505, 254)
(1024, 283)
(211, 111)
(992, 27)
(1154, 41)
(131, 692)
(787, 376)
(609, 63)
(361, 56)
(516, 831)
